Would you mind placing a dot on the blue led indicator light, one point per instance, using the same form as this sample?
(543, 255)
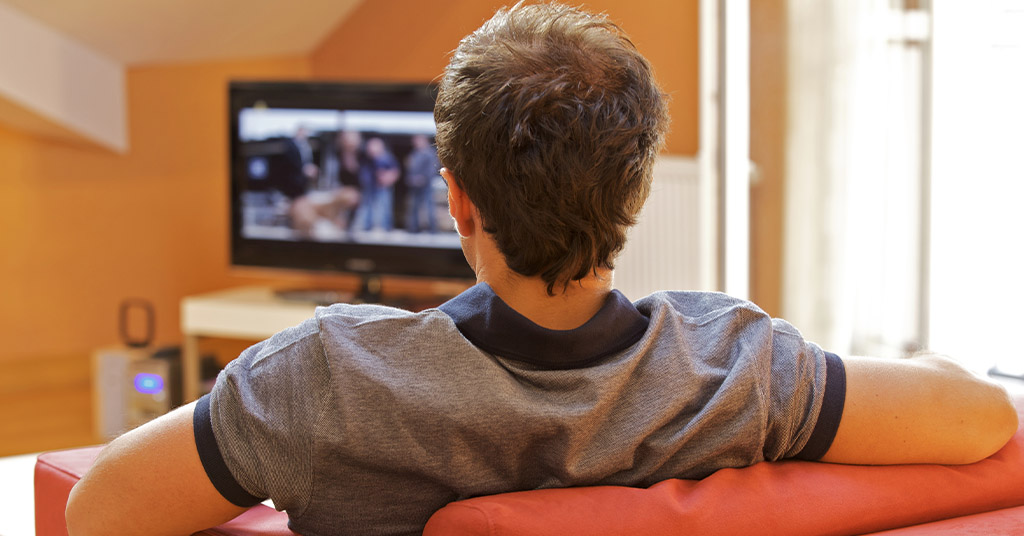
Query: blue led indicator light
(149, 384)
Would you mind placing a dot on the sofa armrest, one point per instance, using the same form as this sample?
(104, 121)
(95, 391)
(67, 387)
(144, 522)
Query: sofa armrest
(57, 472)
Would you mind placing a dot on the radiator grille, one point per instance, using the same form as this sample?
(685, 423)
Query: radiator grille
(663, 250)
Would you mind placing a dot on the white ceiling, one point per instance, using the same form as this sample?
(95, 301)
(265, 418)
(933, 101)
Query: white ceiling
(135, 32)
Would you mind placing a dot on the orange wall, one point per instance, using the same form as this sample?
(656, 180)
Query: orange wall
(410, 40)
(81, 228)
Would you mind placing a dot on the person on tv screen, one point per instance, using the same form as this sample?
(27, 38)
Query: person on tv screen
(367, 419)
(351, 157)
(343, 161)
(377, 178)
(421, 168)
(299, 168)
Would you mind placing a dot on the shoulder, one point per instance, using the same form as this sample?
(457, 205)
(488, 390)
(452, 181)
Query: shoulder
(372, 316)
(711, 328)
(718, 328)
(700, 308)
(299, 340)
(382, 328)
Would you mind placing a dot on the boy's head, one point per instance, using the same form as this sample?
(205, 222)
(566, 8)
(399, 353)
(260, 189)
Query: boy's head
(550, 120)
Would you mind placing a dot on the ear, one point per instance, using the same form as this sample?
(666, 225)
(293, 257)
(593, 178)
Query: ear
(459, 205)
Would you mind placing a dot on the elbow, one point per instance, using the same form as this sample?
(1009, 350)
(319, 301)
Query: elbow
(1005, 419)
(76, 513)
(80, 513)
(997, 422)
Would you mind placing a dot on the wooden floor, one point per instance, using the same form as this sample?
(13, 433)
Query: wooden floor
(45, 404)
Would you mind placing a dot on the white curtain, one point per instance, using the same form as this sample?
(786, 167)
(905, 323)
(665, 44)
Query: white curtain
(853, 231)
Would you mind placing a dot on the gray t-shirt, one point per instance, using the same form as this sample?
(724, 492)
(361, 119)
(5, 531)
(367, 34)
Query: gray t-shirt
(367, 419)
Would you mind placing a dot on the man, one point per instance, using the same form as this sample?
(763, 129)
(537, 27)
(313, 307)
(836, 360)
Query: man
(367, 419)
(297, 170)
(377, 177)
(421, 169)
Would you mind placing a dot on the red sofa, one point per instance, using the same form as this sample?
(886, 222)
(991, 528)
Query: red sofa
(790, 497)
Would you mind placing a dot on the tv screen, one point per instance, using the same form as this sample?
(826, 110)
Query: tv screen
(339, 177)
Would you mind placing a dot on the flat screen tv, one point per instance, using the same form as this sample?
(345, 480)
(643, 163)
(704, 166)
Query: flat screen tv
(339, 177)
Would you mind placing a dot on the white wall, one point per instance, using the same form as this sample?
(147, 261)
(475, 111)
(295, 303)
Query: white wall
(62, 85)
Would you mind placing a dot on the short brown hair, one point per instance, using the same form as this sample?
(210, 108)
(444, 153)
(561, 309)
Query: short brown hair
(550, 119)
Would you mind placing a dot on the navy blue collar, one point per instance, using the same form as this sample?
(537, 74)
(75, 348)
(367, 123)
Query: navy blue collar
(490, 324)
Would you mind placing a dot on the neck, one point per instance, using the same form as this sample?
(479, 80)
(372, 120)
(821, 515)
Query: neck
(568, 308)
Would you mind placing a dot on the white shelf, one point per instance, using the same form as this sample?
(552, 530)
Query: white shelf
(242, 313)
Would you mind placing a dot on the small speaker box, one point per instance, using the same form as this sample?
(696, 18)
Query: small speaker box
(130, 387)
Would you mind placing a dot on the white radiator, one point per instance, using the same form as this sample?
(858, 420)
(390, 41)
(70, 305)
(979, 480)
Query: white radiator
(664, 248)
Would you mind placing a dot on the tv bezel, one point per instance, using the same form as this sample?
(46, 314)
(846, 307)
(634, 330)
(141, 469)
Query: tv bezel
(330, 257)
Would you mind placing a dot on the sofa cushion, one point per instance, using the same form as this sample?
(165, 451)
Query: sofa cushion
(1006, 521)
(784, 498)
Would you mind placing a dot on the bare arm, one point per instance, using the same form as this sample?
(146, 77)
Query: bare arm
(149, 481)
(926, 409)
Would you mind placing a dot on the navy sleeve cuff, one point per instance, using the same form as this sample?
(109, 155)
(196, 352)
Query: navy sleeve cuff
(831, 410)
(213, 461)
